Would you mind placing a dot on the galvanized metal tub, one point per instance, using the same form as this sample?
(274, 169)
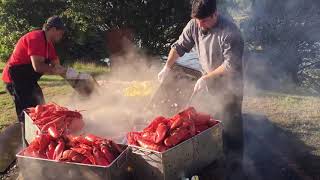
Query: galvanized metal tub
(30, 129)
(84, 87)
(183, 160)
(44, 169)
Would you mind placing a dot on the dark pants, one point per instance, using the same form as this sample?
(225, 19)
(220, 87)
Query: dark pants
(233, 131)
(25, 97)
(24, 91)
(230, 113)
(231, 116)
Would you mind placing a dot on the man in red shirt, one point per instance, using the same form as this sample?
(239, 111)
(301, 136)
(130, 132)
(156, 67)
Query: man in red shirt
(33, 56)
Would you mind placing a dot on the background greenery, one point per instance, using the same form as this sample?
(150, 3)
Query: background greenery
(282, 35)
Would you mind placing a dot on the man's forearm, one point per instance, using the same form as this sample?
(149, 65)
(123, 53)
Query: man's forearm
(44, 69)
(52, 69)
(55, 61)
(215, 73)
(172, 57)
(39, 65)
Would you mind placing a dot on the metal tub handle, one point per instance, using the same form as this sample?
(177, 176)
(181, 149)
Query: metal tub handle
(142, 153)
(151, 155)
(123, 159)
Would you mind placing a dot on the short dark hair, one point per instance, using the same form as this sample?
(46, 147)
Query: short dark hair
(203, 8)
(54, 21)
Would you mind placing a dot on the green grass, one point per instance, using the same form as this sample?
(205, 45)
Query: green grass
(297, 114)
(52, 87)
(7, 110)
(90, 67)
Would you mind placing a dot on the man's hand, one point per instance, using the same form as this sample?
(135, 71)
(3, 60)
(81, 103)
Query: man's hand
(71, 73)
(163, 73)
(201, 84)
(59, 70)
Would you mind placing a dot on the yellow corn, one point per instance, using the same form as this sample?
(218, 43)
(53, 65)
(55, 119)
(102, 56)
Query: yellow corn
(142, 88)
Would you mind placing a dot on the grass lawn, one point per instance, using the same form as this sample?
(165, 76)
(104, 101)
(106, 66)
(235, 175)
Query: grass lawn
(7, 109)
(298, 115)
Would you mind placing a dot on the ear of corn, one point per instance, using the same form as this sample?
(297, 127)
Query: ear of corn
(142, 88)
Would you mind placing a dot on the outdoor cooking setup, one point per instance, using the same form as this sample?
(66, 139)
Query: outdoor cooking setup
(176, 147)
(55, 151)
(177, 144)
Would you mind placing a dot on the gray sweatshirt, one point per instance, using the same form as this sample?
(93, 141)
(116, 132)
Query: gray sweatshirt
(221, 45)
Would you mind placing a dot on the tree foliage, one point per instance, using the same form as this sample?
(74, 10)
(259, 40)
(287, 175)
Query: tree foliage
(287, 32)
(154, 24)
(20, 16)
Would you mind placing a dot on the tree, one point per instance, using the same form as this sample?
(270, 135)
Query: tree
(287, 31)
(20, 16)
(154, 24)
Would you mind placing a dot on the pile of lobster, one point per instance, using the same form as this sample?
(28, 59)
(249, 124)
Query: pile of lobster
(86, 149)
(55, 142)
(55, 120)
(163, 133)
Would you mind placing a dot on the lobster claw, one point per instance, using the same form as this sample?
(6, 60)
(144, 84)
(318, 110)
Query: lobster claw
(202, 118)
(50, 150)
(108, 155)
(155, 122)
(59, 150)
(176, 137)
(99, 157)
(92, 138)
(53, 132)
(161, 132)
(132, 138)
(177, 121)
(43, 140)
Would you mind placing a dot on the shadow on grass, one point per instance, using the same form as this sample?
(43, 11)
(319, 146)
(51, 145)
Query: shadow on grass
(10, 144)
(273, 153)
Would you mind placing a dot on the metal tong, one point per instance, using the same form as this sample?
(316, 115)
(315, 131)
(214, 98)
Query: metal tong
(190, 99)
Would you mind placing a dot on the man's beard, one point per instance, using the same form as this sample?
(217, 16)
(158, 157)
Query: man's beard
(204, 31)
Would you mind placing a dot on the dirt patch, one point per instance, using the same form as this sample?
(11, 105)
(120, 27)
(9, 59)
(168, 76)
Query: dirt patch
(11, 174)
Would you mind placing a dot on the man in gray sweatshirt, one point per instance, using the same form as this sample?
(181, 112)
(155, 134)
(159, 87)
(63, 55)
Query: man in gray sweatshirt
(219, 45)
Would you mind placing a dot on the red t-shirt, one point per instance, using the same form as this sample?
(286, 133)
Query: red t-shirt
(31, 44)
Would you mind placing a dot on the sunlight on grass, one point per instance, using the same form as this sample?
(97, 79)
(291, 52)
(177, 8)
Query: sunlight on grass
(90, 68)
(297, 114)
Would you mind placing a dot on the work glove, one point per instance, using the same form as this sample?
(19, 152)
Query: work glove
(163, 73)
(71, 74)
(200, 85)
